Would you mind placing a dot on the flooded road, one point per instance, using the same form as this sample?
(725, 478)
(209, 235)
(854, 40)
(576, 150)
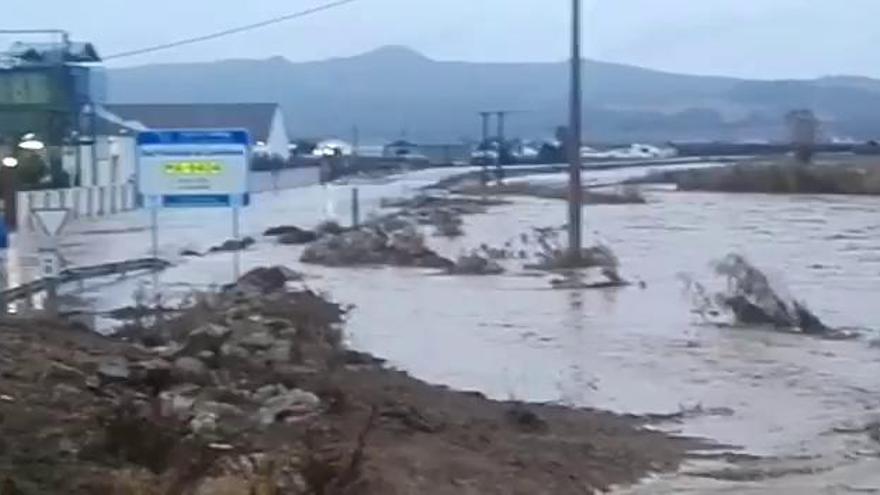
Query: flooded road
(630, 350)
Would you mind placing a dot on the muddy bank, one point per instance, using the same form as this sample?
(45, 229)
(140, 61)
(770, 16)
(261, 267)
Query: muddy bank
(780, 177)
(621, 196)
(252, 391)
(476, 176)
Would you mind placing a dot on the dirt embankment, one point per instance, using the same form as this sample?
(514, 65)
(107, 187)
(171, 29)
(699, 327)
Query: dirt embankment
(622, 196)
(781, 177)
(251, 391)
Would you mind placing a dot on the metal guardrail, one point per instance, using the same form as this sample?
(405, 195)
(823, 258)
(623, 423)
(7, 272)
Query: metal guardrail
(78, 274)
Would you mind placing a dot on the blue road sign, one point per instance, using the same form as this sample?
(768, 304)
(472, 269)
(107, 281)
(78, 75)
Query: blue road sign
(4, 235)
(196, 136)
(205, 200)
(194, 168)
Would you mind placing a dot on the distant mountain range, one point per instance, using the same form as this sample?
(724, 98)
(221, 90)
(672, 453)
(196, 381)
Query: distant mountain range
(396, 92)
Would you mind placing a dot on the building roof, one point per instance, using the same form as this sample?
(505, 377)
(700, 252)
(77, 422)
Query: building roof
(110, 124)
(255, 117)
(37, 53)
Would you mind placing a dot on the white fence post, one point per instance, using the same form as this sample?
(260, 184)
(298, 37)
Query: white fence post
(24, 209)
(74, 208)
(94, 201)
(101, 201)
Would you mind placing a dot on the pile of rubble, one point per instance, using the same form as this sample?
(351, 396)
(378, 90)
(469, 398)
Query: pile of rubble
(444, 213)
(182, 404)
(291, 235)
(597, 267)
(476, 264)
(373, 246)
(233, 245)
(251, 391)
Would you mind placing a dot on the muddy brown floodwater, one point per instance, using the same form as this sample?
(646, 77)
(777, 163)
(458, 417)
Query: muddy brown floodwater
(785, 399)
(634, 350)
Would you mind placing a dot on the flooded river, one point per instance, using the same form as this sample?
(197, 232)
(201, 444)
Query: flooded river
(639, 350)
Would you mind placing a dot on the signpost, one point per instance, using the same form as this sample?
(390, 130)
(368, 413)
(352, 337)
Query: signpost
(4, 267)
(198, 168)
(50, 222)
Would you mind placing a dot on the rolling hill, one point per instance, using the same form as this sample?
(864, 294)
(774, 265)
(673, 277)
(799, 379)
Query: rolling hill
(394, 91)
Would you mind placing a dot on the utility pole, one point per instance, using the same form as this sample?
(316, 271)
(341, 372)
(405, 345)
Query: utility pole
(499, 171)
(485, 116)
(575, 193)
(355, 139)
(355, 146)
(501, 116)
(484, 143)
(9, 181)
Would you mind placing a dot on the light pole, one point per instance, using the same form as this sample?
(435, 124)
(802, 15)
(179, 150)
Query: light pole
(575, 193)
(9, 186)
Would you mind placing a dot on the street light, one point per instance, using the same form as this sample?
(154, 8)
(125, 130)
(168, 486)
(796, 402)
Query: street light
(30, 142)
(8, 185)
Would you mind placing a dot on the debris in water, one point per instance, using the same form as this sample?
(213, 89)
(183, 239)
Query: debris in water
(575, 281)
(267, 279)
(751, 300)
(447, 223)
(371, 246)
(329, 227)
(552, 255)
(474, 264)
(233, 245)
(291, 235)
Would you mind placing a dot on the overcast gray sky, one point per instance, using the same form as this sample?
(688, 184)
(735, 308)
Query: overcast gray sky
(751, 38)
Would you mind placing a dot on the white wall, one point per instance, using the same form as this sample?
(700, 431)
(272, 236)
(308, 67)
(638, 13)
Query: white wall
(81, 201)
(125, 149)
(114, 161)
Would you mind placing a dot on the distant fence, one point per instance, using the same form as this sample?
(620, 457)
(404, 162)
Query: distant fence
(95, 201)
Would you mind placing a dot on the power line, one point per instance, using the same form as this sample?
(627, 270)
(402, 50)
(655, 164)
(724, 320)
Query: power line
(227, 32)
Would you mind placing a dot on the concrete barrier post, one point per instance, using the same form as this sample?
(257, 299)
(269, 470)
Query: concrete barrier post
(74, 208)
(355, 208)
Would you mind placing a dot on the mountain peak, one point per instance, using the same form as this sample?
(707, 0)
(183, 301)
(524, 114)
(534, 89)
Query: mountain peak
(395, 52)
